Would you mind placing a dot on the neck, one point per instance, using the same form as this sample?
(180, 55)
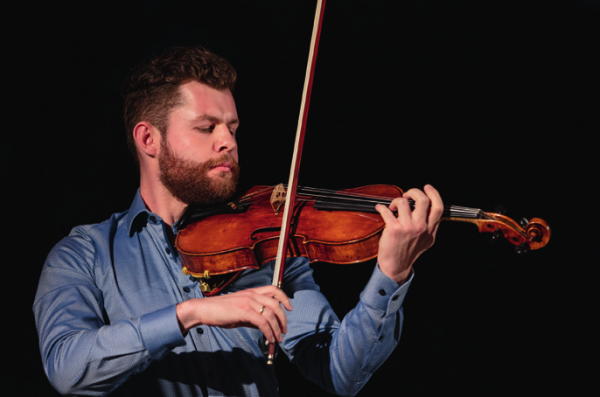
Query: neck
(159, 200)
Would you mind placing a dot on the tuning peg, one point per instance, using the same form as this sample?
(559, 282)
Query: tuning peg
(522, 249)
(500, 209)
(495, 236)
(523, 222)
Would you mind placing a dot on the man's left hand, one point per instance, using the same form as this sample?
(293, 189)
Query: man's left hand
(411, 233)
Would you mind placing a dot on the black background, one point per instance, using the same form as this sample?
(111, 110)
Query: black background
(493, 103)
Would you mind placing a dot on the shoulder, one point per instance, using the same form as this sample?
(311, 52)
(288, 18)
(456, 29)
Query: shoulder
(76, 256)
(98, 233)
(84, 240)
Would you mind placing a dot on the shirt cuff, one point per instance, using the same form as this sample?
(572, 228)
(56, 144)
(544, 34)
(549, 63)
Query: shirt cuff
(160, 332)
(383, 293)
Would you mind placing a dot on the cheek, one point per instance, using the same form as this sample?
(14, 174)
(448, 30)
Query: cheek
(197, 149)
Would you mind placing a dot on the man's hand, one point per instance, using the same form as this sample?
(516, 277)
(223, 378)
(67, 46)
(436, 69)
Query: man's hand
(255, 307)
(411, 233)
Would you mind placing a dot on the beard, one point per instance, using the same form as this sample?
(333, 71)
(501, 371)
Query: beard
(188, 181)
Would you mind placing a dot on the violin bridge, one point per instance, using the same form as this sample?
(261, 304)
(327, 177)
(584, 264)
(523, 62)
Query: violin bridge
(278, 197)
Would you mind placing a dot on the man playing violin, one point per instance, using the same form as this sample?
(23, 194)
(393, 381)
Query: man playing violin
(115, 314)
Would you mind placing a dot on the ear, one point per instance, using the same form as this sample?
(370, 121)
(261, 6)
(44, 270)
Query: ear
(147, 139)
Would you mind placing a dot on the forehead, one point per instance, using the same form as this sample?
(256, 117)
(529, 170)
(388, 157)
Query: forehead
(200, 100)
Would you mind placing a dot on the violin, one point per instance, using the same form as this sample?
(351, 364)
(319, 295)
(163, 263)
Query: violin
(340, 227)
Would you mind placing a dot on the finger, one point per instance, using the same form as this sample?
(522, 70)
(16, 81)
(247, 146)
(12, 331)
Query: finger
(257, 317)
(265, 327)
(274, 313)
(271, 321)
(272, 291)
(437, 207)
(271, 298)
(282, 298)
(385, 212)
(402, 207)
(422, 204)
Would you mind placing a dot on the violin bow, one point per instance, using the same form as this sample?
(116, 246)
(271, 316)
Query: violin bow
(295, 168)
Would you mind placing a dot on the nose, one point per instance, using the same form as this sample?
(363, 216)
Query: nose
(224, 140)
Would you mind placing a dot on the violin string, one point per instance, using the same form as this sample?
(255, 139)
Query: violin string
(452, 210)
(258, 193)
(455, 211)
(386, 200)
(334, 194)
(351, 198)
(359, 200)
(383, 199)
(366, 207)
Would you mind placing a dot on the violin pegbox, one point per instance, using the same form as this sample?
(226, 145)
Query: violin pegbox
(532, 235)
(524, 235)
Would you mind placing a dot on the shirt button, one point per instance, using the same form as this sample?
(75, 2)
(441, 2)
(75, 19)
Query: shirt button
(200, 331)
(395, 298)
(168, 251)
(186, 289)
(382, 292)
(152, 218)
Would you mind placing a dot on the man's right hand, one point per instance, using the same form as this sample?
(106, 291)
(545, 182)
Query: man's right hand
(239, 309)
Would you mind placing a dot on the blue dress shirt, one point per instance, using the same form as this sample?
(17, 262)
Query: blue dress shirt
(105, 314)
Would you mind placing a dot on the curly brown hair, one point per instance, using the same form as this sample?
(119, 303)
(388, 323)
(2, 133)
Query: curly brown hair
(152, 90)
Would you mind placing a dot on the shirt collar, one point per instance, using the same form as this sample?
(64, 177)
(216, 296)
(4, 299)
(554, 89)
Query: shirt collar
(138, 215)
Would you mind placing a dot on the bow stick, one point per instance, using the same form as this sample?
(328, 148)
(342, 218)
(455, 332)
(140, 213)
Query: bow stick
(295, 168)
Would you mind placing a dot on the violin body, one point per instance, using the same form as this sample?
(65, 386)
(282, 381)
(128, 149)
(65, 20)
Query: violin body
(225, 243)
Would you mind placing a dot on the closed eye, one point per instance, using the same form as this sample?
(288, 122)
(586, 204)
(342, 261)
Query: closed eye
(208, 129)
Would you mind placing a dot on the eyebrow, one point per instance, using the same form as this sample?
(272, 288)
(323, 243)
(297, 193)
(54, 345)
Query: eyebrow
(214, 119)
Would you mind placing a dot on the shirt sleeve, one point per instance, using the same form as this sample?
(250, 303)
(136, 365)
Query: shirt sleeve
(342, 356)
(82, 354)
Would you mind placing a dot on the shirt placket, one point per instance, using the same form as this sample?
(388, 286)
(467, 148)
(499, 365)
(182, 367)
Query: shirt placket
(187, 286)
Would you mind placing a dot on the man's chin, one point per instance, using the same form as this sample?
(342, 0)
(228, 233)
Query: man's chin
(220, 175)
